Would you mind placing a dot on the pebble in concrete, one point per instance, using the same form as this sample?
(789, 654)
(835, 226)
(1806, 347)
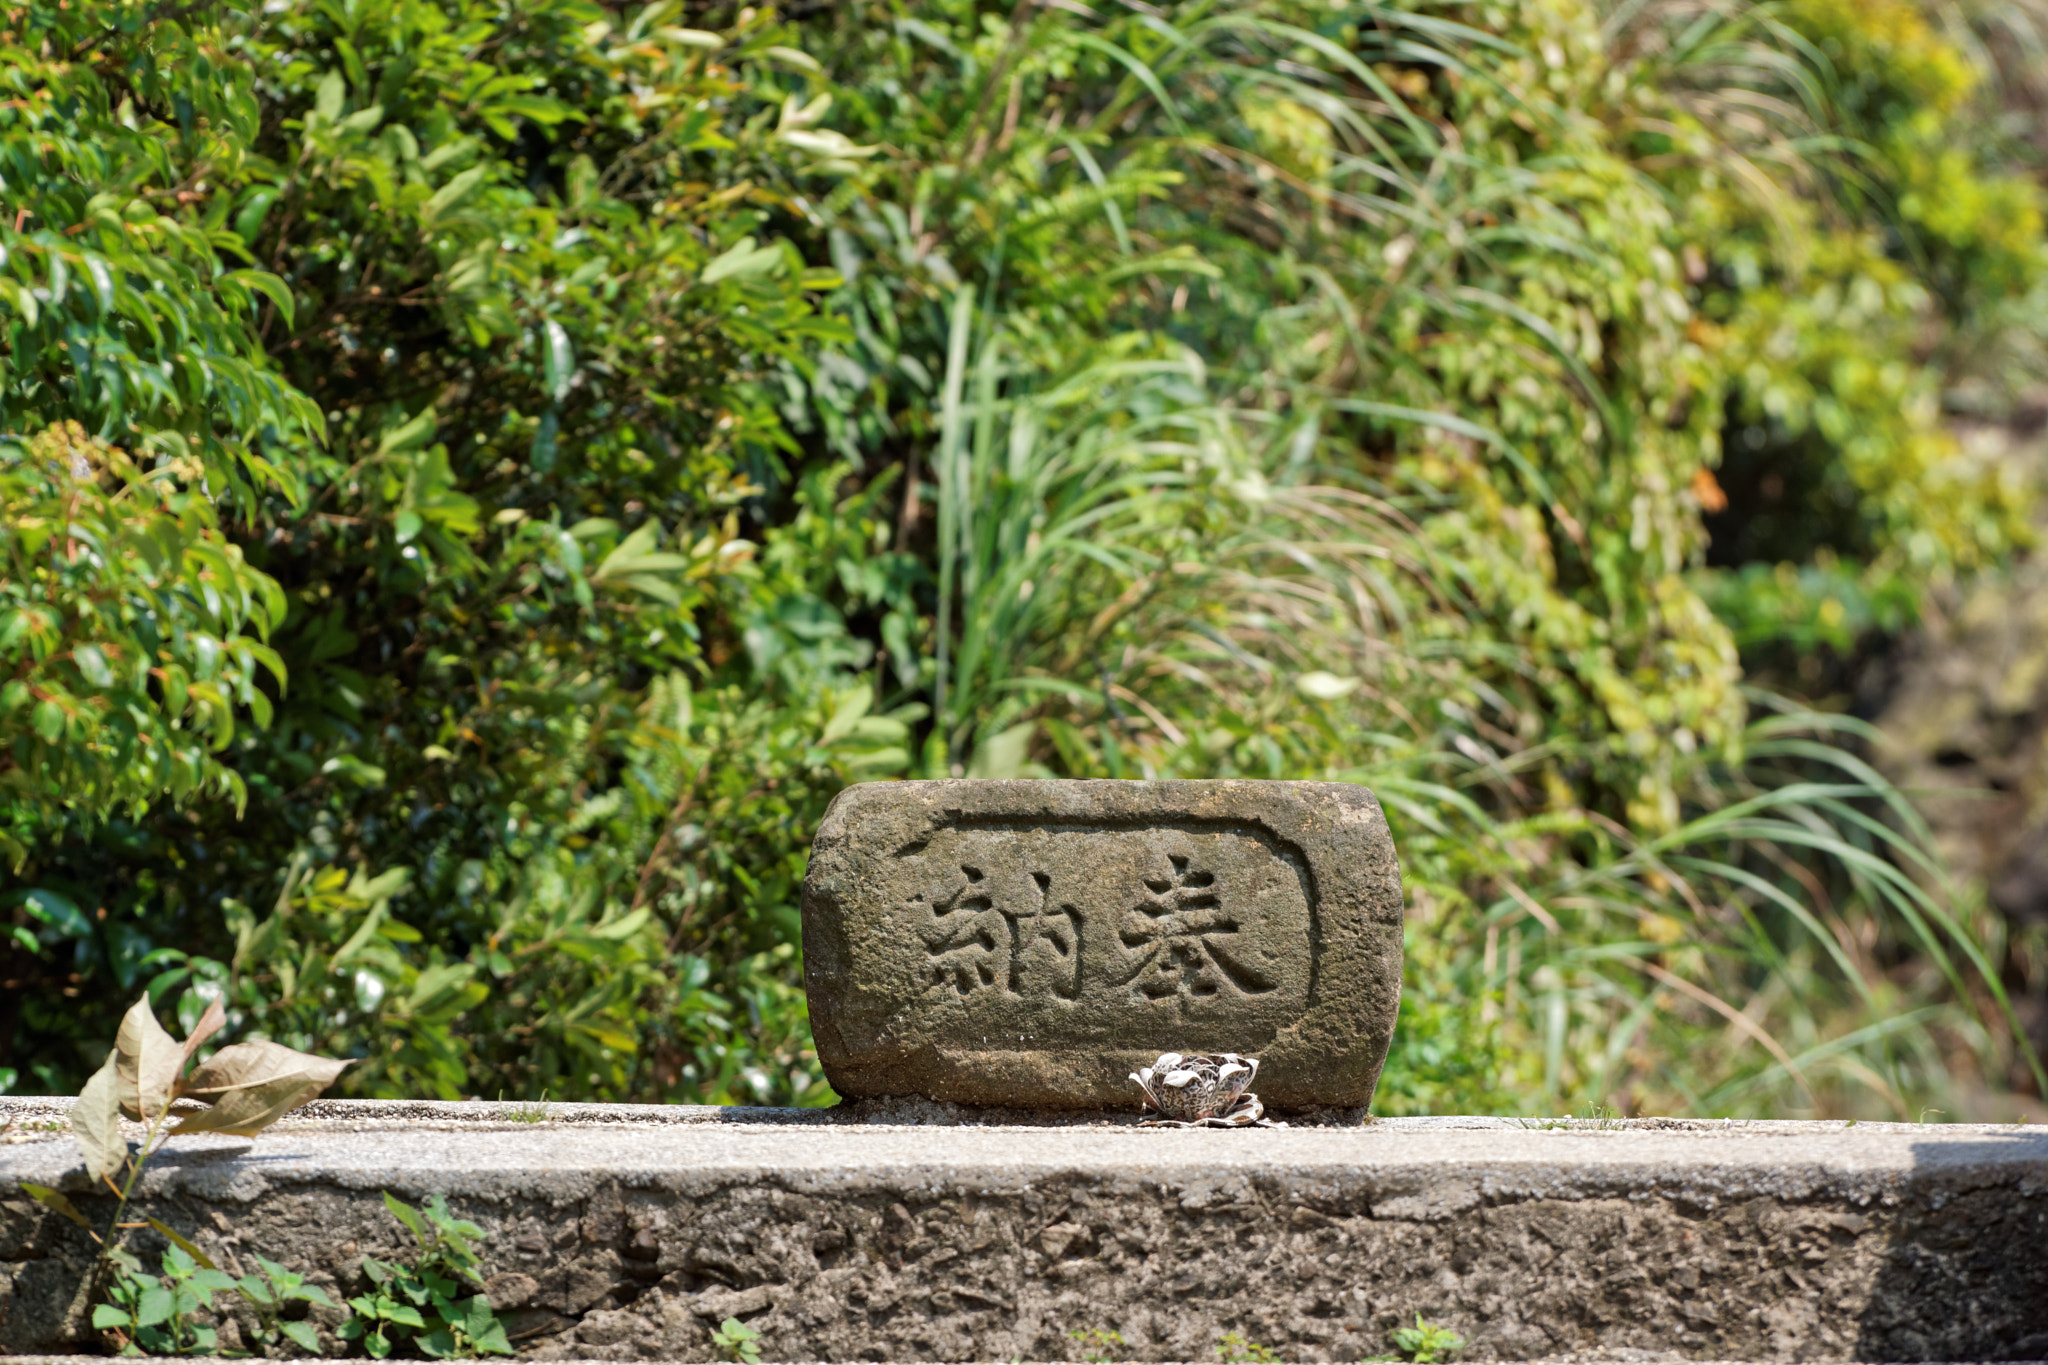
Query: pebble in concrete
(1030, 944)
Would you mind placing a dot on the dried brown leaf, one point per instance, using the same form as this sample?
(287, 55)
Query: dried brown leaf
(240, 1065)
(208, 1025)
(248, 1110)
(149, 1061)
(253, 1085)
(96, 1119)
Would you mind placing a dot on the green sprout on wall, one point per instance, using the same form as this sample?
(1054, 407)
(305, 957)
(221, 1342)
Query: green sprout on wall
(1096, 1344)
(737, 1342)
(1426, 1343)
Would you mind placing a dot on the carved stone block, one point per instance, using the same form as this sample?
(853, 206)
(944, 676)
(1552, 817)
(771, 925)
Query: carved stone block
(1029, 944)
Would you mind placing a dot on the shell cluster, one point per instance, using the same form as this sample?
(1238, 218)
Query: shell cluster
(1200, 1090)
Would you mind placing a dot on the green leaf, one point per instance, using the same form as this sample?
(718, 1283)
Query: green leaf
(452, 194)
(558, 359)
(302, 1335)
(209, 1282)
(742, 260)
(408, 1215)
(92, 662)
(249, 219)
(106, 1315)
(328, 95)
(56, 1202)
(154, 1306)
(542, 109)
(270, 286)
(178, 1241)
(57, 912)
(413, 434)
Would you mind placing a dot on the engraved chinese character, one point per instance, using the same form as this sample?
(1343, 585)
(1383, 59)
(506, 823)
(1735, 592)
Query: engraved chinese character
(1182, 934)
(1018, 943)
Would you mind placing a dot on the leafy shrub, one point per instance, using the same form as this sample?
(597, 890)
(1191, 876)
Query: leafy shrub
(270, 1294)
(421, 1303)
(517, 348)
(157, 1316)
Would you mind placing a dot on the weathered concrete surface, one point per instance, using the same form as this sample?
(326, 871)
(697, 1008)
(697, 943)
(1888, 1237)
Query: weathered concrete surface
(1033, 943)
(622, 1232)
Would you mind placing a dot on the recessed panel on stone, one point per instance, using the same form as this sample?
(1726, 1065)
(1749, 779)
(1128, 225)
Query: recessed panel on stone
(1030, 943)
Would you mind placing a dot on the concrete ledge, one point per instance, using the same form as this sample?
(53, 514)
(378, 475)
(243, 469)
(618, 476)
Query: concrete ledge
(622, 1232)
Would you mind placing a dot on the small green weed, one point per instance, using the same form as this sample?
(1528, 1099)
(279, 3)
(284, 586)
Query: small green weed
(419, 1302)
(1235, 1350)
(736, 1341)
(21, 1130)
(1597, 1118)
(270, 1295)
(535, 1111)
(1425, 1343)
(1096, 1343)
(151, 1316)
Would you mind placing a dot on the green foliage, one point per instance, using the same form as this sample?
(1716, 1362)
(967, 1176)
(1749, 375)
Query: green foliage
(148, 1315)
(511, 588)
(421, 1303)
(1419, 507)
(135, 630)
(626, 434)
(1425, 1343)
(151, 1316)
(734, 1340)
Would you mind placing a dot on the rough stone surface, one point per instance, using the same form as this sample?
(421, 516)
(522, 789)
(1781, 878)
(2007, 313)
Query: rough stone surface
(1032, 943)
(628, 1233)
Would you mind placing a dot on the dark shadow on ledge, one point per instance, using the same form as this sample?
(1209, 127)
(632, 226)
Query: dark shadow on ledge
(1966, 1275)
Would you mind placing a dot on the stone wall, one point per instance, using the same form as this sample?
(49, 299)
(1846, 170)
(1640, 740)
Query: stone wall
(623, 1232)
